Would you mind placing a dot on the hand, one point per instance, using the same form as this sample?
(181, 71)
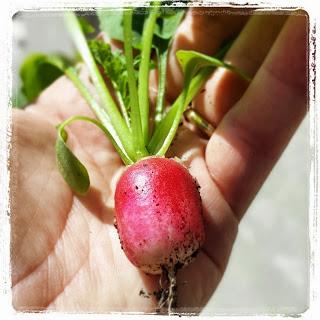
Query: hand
(65, 250)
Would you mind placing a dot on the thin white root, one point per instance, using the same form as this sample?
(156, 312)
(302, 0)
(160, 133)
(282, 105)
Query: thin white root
(172, 296)
(168, 288)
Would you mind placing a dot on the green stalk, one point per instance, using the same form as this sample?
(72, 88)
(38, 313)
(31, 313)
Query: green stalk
(123, 156)
(134, 102)
(101, 114)
(147, 35)
(192, 62)
(164, 126)
(122, 107)
(163, 57)
(197, 82)
(107, 102)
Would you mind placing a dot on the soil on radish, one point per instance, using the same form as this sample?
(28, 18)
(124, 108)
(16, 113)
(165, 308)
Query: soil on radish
(159, 221)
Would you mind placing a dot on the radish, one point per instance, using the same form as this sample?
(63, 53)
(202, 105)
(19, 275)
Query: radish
(159, 215)
(157, 202)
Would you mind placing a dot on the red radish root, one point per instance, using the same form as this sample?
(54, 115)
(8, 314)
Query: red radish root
(159, 215)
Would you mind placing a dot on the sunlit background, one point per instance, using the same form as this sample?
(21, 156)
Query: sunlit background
(269, 266)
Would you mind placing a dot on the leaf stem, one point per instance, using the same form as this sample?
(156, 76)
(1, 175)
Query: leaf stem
(123, 156)
(101, 114)
(161, 87)
(147, 36)
(197, 67)
(164, 126)
(192, 62)
(122, 107)
(70, 167)
(137, 135)
(107, 102)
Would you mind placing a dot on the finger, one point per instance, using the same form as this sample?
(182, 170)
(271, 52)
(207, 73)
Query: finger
(251, 137)
(221, 219)
(203, 30)
(224, 88)
(197, 282)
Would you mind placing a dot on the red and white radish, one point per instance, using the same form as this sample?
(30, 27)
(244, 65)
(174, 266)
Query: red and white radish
(159, 215)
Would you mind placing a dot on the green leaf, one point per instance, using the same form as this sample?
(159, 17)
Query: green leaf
(168, 22)
(114, 66)
(72, 170)
(197, 82)
(191, 62)
(38, 71)
(71, 73)
(86, 26)
(111, 23)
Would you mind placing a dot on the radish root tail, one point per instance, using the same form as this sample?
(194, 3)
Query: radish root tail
(172, 296)
(168, 287)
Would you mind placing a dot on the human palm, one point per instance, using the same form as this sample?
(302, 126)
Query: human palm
(66, 254)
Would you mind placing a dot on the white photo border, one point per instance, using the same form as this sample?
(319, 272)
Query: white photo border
(10, 7)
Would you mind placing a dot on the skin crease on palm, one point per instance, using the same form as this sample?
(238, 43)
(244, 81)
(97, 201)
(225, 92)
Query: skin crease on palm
(66, 253)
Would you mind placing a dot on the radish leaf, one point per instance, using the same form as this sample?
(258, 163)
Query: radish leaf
(111, 23)
(72, 170)
(168, 22)
(38, 71)
(114, 67)
(71, 73)
(86, 26)
(113, 63)
(62, 66)
(192, 62)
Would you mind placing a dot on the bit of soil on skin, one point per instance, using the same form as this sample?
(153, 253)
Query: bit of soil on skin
(144, 294)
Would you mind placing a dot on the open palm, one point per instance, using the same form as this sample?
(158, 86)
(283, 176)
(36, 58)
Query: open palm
(66, 253)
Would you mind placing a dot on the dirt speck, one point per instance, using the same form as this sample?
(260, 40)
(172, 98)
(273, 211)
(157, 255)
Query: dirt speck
(143, 294)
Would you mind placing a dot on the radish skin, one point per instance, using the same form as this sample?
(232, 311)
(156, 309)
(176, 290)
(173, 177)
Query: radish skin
(159, 215)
